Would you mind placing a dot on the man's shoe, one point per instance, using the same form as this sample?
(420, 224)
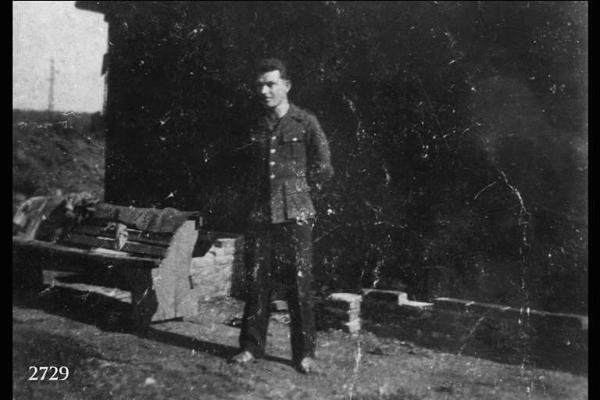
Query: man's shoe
(307, 365)
(243, 357)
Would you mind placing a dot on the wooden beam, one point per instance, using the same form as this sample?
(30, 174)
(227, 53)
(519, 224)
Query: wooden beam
(45, 251)
(109, 243)
(134, 235)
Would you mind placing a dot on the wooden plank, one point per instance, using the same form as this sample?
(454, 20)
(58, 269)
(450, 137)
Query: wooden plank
(109, 243)
(157, 239)
(141, 248)
(94, 230)
(135, 235)
(88, 241)
(46, 251)
(171, 282)
(110, 218)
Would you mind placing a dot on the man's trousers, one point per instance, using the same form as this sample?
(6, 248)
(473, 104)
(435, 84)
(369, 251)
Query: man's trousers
(279, 256)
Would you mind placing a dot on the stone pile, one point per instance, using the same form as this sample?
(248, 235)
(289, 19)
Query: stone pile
(339, 311)
(220, 272)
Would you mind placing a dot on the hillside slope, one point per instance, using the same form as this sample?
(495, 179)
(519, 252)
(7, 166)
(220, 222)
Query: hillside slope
(59, 153)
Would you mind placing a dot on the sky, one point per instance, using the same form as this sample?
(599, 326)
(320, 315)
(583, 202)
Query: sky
(76, 40)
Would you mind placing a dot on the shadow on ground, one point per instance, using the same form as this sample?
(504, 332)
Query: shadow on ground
(111, 315)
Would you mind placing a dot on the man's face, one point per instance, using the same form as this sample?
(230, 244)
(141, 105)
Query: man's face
(272, 89)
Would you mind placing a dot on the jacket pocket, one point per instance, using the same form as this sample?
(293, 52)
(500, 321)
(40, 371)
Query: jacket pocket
(293, 144)
(298, 204)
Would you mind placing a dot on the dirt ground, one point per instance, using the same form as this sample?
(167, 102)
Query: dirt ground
(188, 360)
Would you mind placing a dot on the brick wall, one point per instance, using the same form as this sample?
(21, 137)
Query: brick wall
(220, 272)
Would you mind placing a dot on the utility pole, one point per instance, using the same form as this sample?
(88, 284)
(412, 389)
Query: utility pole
(51, 94)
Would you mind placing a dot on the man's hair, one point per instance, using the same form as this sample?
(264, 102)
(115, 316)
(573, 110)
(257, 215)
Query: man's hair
(265, 65)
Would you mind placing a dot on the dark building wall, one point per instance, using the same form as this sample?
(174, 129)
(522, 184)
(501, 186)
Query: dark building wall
(138, 152)
(458, 131)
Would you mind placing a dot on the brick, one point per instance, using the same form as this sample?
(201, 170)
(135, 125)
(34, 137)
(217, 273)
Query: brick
(328, 321)
(380, 307)
(449, 321)
(339, 305)
(346, 297)
(567, 320)
(352, 327)
(553, 320)
(446, 303)
(420, 310)
(390, 296)
(418, 305)
(487, 308)
(220, 271)
(279, 305)
(515, 313)
(340, 314)
(344, 301)
(339, 311)
(524, 314)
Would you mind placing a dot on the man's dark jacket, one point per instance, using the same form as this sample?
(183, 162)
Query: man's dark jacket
(292, 158)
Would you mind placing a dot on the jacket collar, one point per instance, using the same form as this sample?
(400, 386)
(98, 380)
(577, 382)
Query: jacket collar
(294, 112)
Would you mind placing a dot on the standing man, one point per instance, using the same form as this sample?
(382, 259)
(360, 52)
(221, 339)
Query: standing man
(292, 159)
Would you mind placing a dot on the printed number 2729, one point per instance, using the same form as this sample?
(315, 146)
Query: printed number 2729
(51, 373)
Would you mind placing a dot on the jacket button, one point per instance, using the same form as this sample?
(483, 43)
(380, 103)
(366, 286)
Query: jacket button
(271, 163)
(272, 176)
(272, 151)
(273, 137)
(295, 139)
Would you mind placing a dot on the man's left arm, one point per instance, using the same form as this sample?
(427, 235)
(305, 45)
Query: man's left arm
(320, 169)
